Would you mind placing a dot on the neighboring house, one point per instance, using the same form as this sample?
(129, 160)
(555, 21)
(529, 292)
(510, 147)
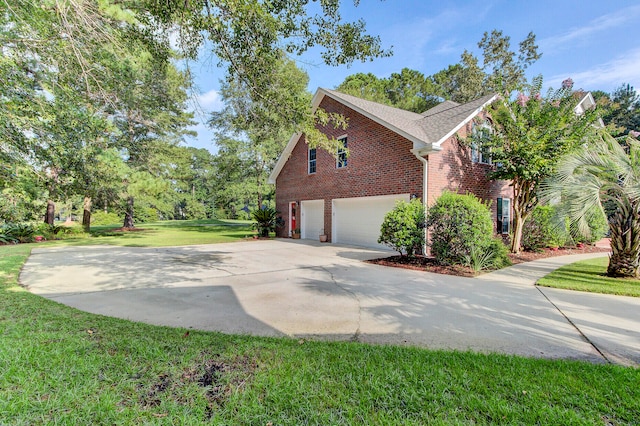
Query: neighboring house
(393, 155)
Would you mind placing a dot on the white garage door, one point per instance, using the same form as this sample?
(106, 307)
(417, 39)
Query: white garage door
(312, 219)
(357, 221)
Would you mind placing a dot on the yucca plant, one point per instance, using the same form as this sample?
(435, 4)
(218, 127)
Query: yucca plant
(603, 171)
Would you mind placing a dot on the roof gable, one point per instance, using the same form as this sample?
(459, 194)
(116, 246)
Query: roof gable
(427, 131)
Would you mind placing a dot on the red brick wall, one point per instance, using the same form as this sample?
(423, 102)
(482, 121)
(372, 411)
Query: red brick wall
(452, 169)
(379, 163)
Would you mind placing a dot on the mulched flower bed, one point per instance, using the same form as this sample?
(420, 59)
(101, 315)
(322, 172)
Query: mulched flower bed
(429, 264)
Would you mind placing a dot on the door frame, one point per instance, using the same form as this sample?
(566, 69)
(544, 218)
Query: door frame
(293, 220)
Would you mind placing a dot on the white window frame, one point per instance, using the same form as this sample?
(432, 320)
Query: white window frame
(341, 154)
(313, 161)
(503, 219)
(479, 155)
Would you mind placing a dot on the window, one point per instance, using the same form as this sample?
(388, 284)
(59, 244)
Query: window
(342, 153)
(503, 223)
(312, 160)
(479, 152)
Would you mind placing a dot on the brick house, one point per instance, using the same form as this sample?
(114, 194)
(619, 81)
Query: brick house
(393, 155)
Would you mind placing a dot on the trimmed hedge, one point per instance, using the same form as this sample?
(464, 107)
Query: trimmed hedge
(403, 227)
(462, 233)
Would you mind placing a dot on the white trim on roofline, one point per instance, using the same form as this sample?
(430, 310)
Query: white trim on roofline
(475, 112)
(283, 158)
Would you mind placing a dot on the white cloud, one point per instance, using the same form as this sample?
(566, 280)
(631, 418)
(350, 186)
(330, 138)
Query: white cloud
(610, 22)
(607, 76)
(210, 101)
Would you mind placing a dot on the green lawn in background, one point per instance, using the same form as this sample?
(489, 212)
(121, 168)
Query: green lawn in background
(62, 366)
(588, 275)
(166, 233)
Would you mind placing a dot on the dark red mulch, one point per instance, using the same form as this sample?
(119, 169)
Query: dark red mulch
(429, 264)
(527, 256)
(422, 263)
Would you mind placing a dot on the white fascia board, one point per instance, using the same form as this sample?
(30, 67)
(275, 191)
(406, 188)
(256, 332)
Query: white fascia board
(283, 158)
(438, 144)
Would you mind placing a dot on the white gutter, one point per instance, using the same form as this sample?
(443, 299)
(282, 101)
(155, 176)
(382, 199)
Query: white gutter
(425, 188)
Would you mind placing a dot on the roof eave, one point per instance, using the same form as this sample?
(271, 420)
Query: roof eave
(464, 122)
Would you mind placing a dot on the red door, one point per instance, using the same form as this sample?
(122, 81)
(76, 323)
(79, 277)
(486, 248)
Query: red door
(293, 217)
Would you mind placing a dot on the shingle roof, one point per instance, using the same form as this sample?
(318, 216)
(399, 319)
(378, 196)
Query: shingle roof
(440, 107)
(427, 131)
(429, 127)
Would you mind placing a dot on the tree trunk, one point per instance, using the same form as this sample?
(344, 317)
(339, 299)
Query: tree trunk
(50, 215)
(86, 214)
(625, 243)
(524, 201)
(518, 225)
(128, 216)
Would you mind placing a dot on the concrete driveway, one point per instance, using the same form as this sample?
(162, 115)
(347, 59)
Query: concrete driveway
(313, 290)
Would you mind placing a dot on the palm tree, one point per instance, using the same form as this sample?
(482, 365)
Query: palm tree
(604, 171)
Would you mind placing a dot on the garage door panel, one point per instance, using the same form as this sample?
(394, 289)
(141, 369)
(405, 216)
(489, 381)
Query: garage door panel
(312, 219)
(357, 221)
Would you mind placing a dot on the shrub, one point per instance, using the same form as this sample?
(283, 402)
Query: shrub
(546, 227)
(403, 227)
(459, 223)
(266, 219)
(18, 232)
(6, 237)
(598, 227)
(495, 256)
(101, 217)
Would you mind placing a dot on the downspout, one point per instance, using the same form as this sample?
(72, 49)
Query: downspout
(425, 190)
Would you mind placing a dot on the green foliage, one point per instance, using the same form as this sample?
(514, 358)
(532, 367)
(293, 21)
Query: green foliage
(603, 171)
(620, 110)
(458, 224)
(265, 220)
(101, 218)
(403, 227)
(529, 135)
(501, 253)
(495, 256)
(597, 225)
(20, 232)
(545, 227)
(409, 90)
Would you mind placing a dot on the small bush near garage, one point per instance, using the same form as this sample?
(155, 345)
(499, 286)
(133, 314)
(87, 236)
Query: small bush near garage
(403, 227)
(462, 233)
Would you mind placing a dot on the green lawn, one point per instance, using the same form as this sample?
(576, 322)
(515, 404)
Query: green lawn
(166, 233)
(588, 275)
(62, 366)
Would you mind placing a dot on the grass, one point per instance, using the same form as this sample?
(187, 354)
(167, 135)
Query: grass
(588, 275)
(62, 366)
(165, 233)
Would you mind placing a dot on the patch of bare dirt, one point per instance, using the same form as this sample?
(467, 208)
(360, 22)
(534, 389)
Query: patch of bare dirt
(429, 264)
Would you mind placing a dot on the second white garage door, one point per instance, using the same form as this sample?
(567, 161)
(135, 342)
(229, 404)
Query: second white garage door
(357, 221)
(312, 219)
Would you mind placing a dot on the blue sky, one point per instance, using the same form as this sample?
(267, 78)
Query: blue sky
(593, 42)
